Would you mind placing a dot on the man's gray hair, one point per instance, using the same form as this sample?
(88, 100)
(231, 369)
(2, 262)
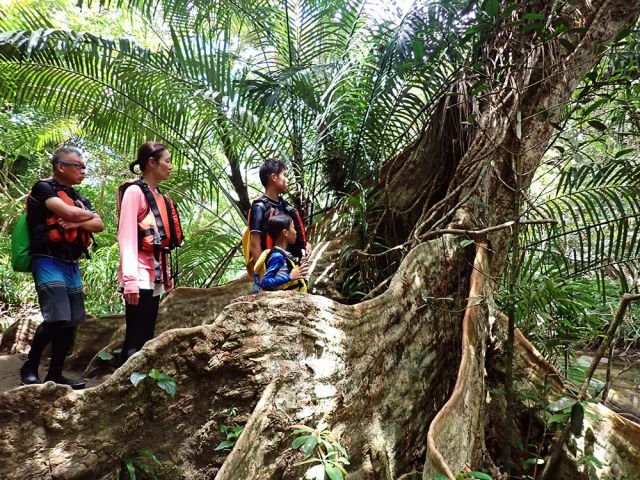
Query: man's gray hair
(55, 156)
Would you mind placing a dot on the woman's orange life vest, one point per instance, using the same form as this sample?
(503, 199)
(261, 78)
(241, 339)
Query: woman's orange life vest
(72, 235)
(161, 225)
(159, 231)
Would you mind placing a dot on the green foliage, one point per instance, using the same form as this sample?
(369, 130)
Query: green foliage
(323, 455)
(144, 466)
(162, 380)
(106, 356)
(232, 431)
(572, 271)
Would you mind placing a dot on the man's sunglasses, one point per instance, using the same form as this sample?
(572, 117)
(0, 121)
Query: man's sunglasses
(73, 164)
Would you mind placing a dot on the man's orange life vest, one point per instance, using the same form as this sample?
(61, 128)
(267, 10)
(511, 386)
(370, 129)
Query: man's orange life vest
(159, 231)
(57, 234)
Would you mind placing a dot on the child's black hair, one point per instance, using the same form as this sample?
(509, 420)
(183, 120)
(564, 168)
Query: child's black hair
(272, 165)
(276, 224)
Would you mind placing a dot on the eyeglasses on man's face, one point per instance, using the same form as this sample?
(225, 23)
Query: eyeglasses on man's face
(81, 166)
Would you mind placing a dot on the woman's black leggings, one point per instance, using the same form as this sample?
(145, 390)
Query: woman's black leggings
(141, 322)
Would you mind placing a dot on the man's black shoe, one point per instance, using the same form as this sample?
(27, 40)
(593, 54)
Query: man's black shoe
(29, 374)
(75, 383)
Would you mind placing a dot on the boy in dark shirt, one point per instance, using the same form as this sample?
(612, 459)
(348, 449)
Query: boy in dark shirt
(273, 176)
(60, 223)
(281, 271)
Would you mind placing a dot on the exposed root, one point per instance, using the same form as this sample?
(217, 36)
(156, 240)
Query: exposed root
(455, 440)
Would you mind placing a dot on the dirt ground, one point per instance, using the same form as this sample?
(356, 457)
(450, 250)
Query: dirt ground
(10, 372)
(10, 363)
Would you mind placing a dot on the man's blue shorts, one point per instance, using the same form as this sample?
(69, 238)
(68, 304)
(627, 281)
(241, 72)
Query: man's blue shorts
(59, 288)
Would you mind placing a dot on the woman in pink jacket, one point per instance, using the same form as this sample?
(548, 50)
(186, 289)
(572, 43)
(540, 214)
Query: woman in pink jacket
(144, 216)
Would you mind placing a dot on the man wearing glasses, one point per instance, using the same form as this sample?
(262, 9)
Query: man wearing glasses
(61, 222)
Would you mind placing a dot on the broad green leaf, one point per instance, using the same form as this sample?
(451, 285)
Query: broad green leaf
(533, 26)
(333, 472)
(104, 355)
(309, 446)
(168, 386)
(341, 449)
(622, 34)
(154, 373)
(599, 388)
(137, 377)
(164, 376)
(298, 442)
(492, 7)
(225, 444)
(148, 471)
(480, 475)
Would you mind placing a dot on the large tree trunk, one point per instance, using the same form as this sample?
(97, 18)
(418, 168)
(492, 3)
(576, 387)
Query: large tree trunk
(401, 377)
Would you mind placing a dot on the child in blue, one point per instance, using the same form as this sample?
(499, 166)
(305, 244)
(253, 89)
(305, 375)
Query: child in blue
(276, 268)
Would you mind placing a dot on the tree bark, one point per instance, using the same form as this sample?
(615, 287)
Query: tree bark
(299, 358)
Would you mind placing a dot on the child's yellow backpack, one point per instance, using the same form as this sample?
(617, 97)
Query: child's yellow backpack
(260, 269)
(246, 236)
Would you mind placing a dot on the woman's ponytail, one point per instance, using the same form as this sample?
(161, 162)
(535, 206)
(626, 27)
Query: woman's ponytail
(132, 167)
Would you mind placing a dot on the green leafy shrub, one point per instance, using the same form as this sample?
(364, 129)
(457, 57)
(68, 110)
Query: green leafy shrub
(232, 431)
(164, 381)
(321, 451)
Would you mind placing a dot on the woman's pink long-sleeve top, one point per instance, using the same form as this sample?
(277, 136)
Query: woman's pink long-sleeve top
(136, 266)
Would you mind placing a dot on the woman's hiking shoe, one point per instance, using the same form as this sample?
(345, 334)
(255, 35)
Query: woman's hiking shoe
(75, 383)
(29, 374)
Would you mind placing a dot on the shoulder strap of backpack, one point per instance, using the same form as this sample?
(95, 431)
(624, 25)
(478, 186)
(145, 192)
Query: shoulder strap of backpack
(153, 206)
(261, 201)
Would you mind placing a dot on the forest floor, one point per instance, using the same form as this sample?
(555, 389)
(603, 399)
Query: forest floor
(10, 363)
(10, 372)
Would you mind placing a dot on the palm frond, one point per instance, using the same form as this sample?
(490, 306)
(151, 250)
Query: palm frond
(598, 213)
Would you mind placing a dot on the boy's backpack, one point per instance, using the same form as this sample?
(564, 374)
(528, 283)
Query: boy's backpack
(246, 236)
(21, 245)
(260, 268)
(159, 231)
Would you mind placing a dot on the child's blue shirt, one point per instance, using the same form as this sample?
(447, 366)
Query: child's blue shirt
(277, 270)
